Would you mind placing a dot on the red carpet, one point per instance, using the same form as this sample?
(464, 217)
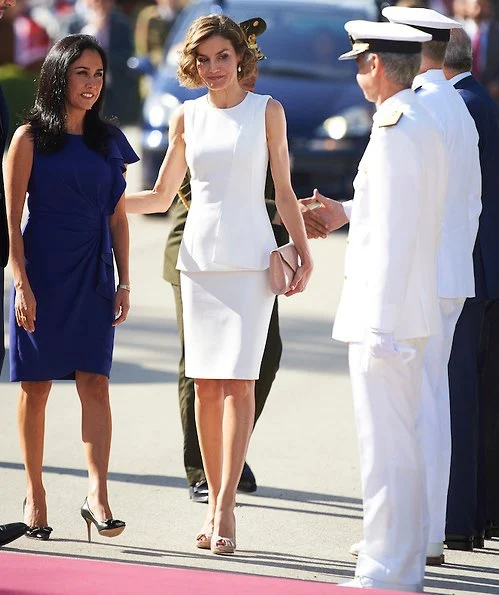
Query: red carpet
(22, 574)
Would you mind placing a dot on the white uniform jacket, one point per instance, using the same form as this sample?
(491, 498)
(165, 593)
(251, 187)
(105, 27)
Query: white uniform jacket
(463, 201)
(396, 217)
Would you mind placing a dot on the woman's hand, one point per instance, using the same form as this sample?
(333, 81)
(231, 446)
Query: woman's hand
(302, 276)
(25, 309)
(121, 306)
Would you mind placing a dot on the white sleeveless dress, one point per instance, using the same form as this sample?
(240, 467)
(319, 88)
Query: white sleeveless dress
(224, 254)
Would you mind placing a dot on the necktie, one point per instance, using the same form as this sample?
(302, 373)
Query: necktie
(475, 45)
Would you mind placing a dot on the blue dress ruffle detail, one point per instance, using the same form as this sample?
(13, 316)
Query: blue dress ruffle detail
(119, 155)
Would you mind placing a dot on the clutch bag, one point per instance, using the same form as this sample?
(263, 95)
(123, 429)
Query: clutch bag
(284, 262)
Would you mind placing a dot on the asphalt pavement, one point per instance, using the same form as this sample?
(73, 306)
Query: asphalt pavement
(307, 509)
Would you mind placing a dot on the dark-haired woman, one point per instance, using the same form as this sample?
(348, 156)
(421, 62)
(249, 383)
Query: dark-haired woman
(65, 304)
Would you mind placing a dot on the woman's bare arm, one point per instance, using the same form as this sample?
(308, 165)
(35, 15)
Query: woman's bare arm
(17, 173)
(285, 198)
(170, 175)
(118, 225)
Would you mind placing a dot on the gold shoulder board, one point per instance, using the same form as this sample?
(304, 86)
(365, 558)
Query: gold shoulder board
(390, 119)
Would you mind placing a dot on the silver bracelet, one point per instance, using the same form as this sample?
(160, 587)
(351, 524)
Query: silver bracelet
(124, 286)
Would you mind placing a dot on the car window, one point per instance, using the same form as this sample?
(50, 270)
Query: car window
(301, 40)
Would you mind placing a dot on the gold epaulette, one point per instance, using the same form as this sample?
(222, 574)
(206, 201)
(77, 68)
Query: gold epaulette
(389, 119)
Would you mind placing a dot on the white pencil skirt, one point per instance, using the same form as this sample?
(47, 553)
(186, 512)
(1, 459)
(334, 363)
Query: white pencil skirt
(226, 322)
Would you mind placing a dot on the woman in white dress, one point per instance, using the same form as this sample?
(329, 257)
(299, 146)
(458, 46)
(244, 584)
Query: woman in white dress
(226, 138)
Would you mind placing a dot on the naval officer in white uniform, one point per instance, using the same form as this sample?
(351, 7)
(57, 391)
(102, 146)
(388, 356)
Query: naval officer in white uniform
(456, 279)
(389, 304)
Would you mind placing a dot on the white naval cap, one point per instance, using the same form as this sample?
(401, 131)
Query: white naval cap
(425, 19)
(383, 37)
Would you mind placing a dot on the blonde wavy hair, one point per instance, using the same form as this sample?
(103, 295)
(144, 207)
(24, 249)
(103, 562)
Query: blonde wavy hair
(202, 29)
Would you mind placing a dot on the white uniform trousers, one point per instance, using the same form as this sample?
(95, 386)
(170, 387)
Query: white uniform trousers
(435, 417)
(386, 396)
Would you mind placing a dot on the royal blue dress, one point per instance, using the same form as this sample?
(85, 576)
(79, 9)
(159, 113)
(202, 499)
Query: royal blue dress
(69, 261)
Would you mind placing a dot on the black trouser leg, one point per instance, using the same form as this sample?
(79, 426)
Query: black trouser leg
(193, 462)
(464, 369)
(270, 363)
(489, 403)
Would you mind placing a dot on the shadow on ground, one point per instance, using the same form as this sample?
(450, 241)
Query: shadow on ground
(167, 481)
(307, 347)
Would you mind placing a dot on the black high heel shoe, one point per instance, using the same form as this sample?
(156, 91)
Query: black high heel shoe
(106, 528)
(37, 532)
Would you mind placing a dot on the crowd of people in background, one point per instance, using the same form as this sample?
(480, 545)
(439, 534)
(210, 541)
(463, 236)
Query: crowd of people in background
(125, 28)
(32, 27)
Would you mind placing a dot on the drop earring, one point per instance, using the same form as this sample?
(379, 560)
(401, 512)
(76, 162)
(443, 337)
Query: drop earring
(239, 69)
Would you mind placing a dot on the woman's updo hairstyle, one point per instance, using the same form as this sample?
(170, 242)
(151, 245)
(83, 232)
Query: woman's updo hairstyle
(202, 29)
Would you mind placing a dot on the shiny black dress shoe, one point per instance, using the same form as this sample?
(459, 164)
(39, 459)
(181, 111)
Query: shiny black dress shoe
(454, 541)
(247, 483)
(37, 531)
(106, 528)
(40, 533)
(199, 492)
(491, 530)
(479, 540)
(11, 531)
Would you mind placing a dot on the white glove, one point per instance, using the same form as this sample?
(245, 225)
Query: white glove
(380, 345)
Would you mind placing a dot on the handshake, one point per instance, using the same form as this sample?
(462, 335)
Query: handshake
(321, 215)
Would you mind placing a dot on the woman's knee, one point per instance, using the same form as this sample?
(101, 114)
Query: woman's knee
(208, 389)
(36, 393)
(92, 385)
(239, 388)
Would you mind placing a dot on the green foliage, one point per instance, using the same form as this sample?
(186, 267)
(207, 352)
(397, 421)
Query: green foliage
(19, 87)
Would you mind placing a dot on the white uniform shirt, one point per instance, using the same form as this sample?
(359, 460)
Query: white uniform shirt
(464, 188)
(396, 217)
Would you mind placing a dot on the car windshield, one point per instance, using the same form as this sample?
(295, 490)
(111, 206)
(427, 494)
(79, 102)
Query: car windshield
(302, 39)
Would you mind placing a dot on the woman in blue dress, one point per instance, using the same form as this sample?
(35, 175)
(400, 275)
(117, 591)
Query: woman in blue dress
(65, 304)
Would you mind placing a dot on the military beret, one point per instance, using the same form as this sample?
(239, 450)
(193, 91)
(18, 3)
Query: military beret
(252, 29)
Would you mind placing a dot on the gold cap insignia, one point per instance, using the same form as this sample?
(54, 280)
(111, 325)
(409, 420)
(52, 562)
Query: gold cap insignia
(252, 28)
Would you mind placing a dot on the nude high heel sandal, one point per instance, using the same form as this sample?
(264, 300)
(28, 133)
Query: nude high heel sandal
(203, 541)
(224, 545)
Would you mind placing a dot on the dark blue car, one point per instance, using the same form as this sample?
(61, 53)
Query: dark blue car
(328, 118)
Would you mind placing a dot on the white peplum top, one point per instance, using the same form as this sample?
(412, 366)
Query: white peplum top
(227, 228)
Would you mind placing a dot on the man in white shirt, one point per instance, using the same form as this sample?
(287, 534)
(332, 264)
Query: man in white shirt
(389, 303)
(455, 256)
